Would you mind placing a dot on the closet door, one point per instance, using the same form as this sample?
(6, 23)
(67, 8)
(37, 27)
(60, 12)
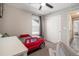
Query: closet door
(53, 28)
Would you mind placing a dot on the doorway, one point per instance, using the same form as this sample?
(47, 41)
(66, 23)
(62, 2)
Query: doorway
(76, 34)
(75, 31)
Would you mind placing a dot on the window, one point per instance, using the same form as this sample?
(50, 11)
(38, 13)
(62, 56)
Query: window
(33, 39)
(35, 25)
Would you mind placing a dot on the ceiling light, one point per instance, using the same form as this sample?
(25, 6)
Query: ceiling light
(43, 4)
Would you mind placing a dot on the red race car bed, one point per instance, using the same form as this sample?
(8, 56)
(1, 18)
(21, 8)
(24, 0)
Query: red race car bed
(32, 43)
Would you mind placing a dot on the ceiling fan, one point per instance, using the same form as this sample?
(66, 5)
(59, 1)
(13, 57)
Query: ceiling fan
(45, 4)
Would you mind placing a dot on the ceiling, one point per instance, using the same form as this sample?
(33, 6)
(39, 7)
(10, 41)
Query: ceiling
(34, 7)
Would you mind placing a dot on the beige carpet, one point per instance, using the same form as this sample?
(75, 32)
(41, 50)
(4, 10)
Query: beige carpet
(41, 52)
(44, 51)
(50, 45)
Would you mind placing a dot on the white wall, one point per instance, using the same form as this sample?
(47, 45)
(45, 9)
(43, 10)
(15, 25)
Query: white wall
(15, 21)
(53, 28)
(65, 23)
(64, 26)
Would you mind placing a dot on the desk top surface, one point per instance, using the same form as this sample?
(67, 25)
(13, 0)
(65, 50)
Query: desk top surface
(11, 46)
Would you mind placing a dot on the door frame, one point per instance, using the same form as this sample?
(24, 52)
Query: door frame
(72, 30)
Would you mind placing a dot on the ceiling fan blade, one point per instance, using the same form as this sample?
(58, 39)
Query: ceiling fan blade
(50, 6)
(40, 7)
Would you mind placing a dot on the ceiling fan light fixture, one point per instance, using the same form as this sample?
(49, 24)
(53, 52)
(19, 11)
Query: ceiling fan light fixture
(42, 4)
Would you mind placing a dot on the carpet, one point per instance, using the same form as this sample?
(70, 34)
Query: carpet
(41, 52)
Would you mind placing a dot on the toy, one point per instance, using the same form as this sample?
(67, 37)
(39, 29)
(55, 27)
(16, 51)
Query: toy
(32, 43)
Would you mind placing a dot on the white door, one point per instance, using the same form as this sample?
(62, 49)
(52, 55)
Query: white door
(53, 28)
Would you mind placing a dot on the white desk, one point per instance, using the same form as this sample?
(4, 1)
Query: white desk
(10, 46)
